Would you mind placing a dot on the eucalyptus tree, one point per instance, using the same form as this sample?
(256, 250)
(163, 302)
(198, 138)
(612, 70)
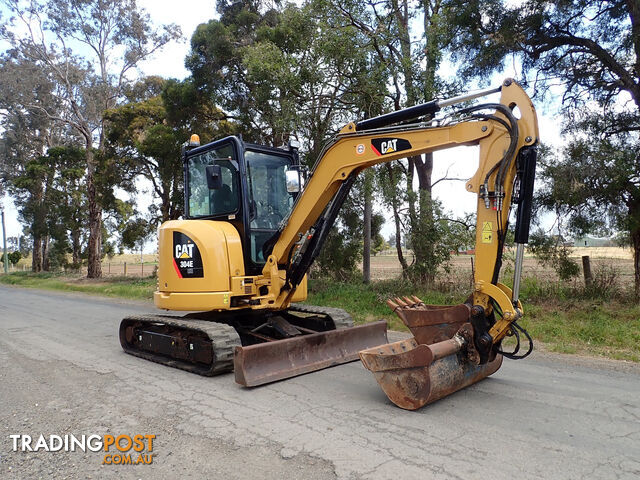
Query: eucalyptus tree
(89, 49)
(589, 52)
(146, 133)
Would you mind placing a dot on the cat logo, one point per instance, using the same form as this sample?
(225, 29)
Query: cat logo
(387, 145)
(187, 260)
(184, 250)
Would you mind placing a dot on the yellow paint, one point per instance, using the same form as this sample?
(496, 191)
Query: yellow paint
(221, 247)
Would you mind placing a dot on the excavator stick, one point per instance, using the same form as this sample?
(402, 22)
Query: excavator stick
(272, 361)
(440, 359)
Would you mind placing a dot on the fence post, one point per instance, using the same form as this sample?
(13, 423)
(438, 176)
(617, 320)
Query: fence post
(473, 273)
(125, 269)
(586, 268)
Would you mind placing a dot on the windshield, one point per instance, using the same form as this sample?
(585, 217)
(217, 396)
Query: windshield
(204, 202)
(270, 201)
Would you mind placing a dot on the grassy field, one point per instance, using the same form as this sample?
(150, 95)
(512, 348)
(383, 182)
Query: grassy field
(562, 317)
(572, 323)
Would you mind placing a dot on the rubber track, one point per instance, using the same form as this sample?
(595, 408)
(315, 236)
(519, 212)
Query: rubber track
(341, 319)
(224, 339)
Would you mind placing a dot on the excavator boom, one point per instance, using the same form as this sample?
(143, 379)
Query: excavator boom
(252, 232)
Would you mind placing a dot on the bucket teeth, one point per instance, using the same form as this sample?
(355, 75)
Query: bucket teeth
(405, 302)
(410, 302)
(392, 305)
(400, 302)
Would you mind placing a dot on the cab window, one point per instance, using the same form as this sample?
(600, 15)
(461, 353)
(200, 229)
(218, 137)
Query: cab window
(205, 202)
(269, 201)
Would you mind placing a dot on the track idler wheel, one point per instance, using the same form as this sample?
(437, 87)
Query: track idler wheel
(438, 361)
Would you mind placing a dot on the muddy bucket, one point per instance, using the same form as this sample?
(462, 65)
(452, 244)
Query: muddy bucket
(438, 361)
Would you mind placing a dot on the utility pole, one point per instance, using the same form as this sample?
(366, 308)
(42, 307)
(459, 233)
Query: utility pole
(4, 242)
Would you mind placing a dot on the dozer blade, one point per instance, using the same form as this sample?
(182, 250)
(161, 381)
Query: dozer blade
(268, 362)
(438, 361)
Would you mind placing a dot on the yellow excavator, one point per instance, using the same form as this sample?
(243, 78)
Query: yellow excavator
(255, 220)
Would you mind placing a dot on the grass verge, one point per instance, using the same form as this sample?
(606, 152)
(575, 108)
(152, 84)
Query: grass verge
(121, 287)
(562, 323)
(578, 325)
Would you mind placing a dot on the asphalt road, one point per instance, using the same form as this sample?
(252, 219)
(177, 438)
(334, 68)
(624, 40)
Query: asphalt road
(62, 372)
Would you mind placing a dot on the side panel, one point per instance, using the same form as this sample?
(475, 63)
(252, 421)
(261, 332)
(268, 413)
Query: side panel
(197, 260)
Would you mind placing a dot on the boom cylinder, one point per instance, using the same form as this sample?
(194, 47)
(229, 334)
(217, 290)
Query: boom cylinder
(421, 110)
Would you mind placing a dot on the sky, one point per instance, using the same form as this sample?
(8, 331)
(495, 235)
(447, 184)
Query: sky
(169, 62)
(458, 162)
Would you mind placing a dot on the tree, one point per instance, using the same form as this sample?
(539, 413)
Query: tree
(14, 257)
(115, 35)
(146, 133)
(554, 253)
(50, 196)
(281, 72)
(135, 233)
(26, 135)
(410, 77)
(592, 50)
(278, 72)
(67, 204)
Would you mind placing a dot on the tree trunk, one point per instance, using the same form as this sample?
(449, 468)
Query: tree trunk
(94, 267)
(425, 250)
(75, 247)
(401, 259)
(635, 239)
(165, 206)
(398, 225)
(366, 254)
(45, 253)
(36, 256)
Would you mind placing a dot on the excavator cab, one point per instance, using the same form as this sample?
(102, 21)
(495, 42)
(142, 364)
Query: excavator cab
(238, 196)
(243, 184)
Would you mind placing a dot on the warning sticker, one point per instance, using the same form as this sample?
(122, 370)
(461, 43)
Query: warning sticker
(487, 232)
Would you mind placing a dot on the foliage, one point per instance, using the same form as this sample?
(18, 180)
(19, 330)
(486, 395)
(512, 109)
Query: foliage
(12, 257)
(591, 50)
(114, 36)
(146, 134)
(407, 55)
(551, 251)
(135, 233)
(279, 72)
(342, 250)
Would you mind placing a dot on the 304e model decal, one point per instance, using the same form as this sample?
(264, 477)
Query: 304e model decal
(186, 257)
(384, 146)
